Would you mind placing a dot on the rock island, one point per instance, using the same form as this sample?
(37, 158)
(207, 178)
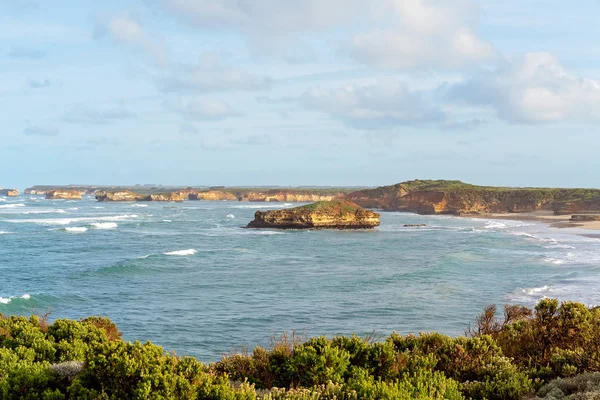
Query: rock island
(334, 214)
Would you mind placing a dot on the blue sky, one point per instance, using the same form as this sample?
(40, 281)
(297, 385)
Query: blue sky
(299, 92)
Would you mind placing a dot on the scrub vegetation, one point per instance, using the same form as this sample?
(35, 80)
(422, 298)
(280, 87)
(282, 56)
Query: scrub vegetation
(549, 352)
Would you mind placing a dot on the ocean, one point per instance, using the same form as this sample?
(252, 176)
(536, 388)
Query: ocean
(188, 277)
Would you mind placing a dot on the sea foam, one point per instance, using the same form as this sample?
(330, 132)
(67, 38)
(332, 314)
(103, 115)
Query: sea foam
(104, 225)
(67, 221)
(188, 252)
(12, 205)
(6, 300)
(76, 229)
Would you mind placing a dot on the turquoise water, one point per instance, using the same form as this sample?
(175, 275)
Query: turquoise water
(189, 278)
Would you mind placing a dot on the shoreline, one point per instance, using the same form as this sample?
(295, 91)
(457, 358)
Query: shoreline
(548, 217)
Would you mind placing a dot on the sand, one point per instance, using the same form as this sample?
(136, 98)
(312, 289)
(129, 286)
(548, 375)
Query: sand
(557, 221)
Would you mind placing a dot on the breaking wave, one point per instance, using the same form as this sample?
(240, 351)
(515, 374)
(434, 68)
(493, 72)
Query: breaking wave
(67, 221)
(76, 229)
(104, 225)
(12, 205)
(188, 252)
(6, 300)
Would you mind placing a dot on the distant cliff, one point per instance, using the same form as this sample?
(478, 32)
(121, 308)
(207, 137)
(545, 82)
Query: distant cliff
(335, 214)
(212, 195)
(126, 195)
(9, 192)
(63, 194)
(458, 198)
(290, 196)
(220, 193)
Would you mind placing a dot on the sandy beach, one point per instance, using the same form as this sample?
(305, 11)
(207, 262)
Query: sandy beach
(557, 221)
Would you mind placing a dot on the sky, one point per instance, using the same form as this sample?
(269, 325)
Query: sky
(299, 92)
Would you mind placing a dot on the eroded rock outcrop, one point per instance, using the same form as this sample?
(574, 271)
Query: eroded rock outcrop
(169, 196)
(288, 196)
(9, 192)
(458, 198)
(212, 195)
(126, 195)
(34, 191)
(335, 214)
(63, 195)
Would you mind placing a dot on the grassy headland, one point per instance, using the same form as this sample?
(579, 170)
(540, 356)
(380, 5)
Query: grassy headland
(456, 197)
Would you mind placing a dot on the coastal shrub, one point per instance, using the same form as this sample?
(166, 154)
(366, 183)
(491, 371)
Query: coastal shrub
(581, 387)
(552, 340)
(317, 362)
(478, 361)
(502, 358)
(421, 384)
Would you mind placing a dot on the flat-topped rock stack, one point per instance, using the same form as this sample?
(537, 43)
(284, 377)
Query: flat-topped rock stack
(126, 195)
(9, 192)
(334, 214)
(63, 195)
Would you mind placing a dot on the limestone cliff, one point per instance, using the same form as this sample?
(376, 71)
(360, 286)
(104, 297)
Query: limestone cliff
(458, 198)
(289, 196)
(63, 194)
(34, 191)
(216, 193)
(126, 195)
(212, 195)
(9, 192)
(123, 195)
(335, 214)
(169, 196)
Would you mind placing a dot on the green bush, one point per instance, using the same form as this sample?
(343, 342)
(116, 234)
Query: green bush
(504, 358)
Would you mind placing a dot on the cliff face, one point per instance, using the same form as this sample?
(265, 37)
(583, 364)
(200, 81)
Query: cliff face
(34, 191)
(9, 192)
(212, 195)
(170, 196)
(217, 193)
(336, 214)
(288, 196)
(458, 198)
(577, 206)
(126, 195)
(63, 194)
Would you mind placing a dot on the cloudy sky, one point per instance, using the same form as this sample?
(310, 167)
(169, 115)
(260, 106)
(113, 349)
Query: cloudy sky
(299, 92)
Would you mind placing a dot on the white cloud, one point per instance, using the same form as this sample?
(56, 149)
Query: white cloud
(396, 33)
(211, 74)
(421, 33)
(387, 104)
(128, 30)
(533, 89)
(203, 109)
(264, 16)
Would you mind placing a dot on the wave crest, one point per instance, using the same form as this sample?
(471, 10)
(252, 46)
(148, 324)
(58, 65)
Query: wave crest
(76, 229)
(104, 225)
(6, 300)
(187, 252)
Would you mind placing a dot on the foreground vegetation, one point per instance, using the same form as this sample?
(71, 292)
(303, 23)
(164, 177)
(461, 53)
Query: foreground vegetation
(552, 352)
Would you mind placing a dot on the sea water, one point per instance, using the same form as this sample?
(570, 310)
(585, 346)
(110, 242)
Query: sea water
(188, 277)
